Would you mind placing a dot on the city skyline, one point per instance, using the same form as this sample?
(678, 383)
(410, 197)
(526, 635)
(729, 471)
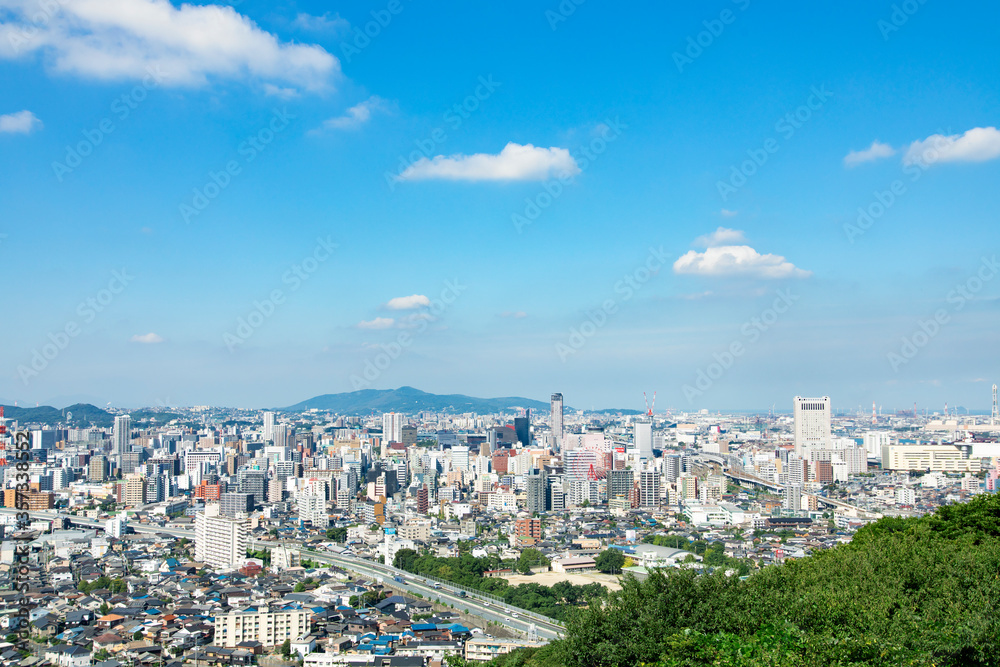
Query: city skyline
(722, 204)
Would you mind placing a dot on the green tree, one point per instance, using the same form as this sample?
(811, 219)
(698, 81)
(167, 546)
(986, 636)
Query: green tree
(336, 534)
(610, 561)
(286, 648)
(299, 587)
(405, 559)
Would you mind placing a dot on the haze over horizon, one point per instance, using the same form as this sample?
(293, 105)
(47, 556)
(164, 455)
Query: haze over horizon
(250, 204)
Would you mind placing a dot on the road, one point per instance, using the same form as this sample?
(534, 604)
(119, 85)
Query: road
(478, 604)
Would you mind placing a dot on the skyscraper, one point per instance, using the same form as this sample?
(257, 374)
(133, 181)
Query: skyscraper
(812, 423)
(642, 437)
(392, 427)
(121, 435)
(268, 427)
(537, 492)
(557, 417)
(522, 430)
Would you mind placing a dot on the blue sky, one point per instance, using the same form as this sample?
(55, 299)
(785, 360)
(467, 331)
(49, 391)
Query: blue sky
(646, 139)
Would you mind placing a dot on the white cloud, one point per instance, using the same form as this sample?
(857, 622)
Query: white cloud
(324, 23)
(976, 145)
(377, 323)
(188, 45)
(408, 302)
(721, 236)
(279, 91)
(876, 151)
(726, 213)
(147, 338)
(514, 163)
(736, 260)
(20, 122)
(357, 115)
(413, 320)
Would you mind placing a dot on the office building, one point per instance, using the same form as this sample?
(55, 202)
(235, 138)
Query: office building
(522, 430)
(254, 482)
(642, 437)
(812, 423)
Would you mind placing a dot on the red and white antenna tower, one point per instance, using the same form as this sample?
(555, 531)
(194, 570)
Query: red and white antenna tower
(873, 412)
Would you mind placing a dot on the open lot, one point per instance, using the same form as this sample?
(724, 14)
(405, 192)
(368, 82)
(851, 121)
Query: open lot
(579, 579)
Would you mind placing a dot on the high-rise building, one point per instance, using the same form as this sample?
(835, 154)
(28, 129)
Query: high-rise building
(557, 417)
(121, 435)
(97, 469)
(134, 490)
(642, 430)
(254, 482)
(460, 458)
(537, 492)
(220, 541)
(812, 423)
(649, 488)
(793, 498)
(392, 427)
(620, 483)
(408, 435)
(268, 427)
(311, 507)
(235, 505)
(423, 500)
(522, 429)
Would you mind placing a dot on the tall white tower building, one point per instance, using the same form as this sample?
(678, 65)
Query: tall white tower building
(268, 426)
(557, 417)
(392, 427)
(643, 438)
(121, 434)
(812, 423)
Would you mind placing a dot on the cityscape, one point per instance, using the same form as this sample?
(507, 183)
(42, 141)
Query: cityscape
(227, 535)
(512, 334)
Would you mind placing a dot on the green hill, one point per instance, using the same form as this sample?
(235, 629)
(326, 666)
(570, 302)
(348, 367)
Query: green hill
(80, 414)
(410, 400)
(919, 591)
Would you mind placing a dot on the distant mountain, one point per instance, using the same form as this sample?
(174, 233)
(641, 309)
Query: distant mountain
(408, 399)
(80, 414)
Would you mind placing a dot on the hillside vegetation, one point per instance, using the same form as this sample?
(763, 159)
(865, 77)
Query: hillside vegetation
(919, 591)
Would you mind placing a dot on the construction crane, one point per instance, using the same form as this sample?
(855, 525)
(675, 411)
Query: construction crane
(649, 409)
